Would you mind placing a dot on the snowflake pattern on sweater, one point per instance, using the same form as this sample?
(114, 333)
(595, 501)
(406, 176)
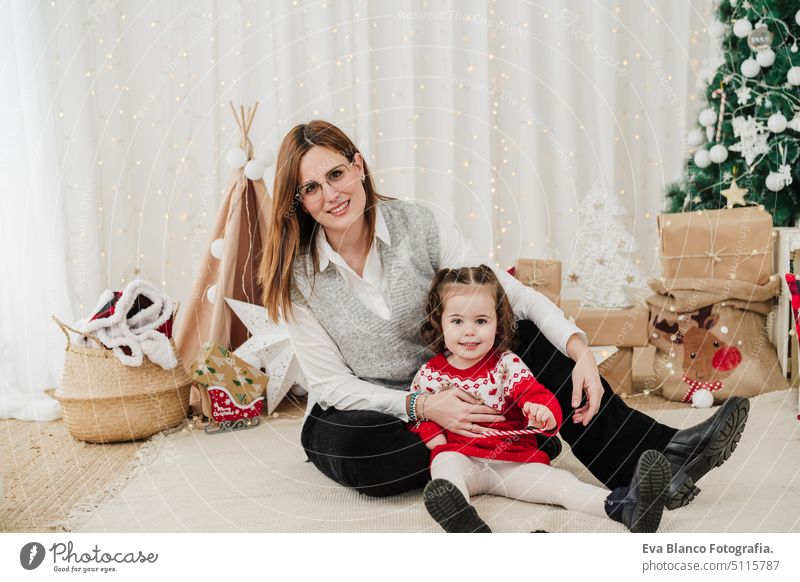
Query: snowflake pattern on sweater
(493, 389)
(501, 381)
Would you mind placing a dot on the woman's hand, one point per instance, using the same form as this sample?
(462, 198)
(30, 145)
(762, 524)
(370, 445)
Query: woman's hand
(539, 416)
(585, 378)
(459, 412)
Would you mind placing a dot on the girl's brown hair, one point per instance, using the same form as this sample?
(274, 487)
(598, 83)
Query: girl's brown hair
(443, 281)
(292, 230)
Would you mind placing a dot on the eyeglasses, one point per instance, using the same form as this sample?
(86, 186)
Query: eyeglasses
(311, 191)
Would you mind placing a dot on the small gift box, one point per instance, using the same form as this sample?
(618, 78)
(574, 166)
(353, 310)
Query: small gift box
(544, 275)
(617, 369)
(623, 328)
(732, 243)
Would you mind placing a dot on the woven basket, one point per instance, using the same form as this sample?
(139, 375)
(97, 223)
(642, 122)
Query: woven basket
(105, 401)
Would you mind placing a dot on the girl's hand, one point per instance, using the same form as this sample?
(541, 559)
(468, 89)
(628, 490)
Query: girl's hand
(436, 441)
(539, 416)
(459, 412)
(585, 378)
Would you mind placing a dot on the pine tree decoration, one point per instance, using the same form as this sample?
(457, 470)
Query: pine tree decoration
(605, 267)
(748, 140)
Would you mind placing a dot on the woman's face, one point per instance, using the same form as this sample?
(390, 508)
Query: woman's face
(333, 192)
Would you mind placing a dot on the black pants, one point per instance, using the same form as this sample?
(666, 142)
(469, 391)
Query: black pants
(375, 454)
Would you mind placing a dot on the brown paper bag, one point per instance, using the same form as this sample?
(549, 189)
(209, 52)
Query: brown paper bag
(218, 366)
(732, 243)
(544, 275)
(711, 334)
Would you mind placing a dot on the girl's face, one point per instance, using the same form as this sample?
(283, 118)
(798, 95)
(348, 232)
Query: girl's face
(332, 190)
(469, 323)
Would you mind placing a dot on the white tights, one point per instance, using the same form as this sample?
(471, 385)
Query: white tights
(531, 482)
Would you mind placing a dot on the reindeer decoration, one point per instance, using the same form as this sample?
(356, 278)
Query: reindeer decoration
(707, 359)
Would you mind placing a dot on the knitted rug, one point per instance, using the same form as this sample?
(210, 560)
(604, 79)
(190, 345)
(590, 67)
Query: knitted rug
(258, 481)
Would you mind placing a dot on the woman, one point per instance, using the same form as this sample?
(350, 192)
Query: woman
(349, 270)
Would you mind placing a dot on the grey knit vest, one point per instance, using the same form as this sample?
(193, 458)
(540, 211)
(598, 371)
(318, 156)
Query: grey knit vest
(385, 352)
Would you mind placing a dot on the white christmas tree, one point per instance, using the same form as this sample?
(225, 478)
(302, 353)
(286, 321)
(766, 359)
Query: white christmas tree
(605, 265)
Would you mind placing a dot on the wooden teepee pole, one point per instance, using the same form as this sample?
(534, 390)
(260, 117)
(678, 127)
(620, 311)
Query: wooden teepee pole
(244, 119)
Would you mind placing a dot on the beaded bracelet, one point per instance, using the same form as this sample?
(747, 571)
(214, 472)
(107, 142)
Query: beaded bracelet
(422, 400)
(412, 407)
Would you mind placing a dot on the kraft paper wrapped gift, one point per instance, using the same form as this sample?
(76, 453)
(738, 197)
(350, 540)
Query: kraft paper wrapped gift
(623, 328)
(732, 243)
(217, 366)
(618, 371)
(544, 275)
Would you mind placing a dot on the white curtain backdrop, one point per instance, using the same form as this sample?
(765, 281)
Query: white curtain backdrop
(501, 114)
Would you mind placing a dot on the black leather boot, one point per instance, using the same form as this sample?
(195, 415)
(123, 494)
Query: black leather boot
(693, 452)
(639, 506)
(447, 506)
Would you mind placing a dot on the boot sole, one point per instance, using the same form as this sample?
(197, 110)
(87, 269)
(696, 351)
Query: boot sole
(718, 450)
(654, 478)
(447, 506)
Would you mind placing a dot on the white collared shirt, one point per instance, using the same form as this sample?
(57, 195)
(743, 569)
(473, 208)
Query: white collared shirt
(333, 384)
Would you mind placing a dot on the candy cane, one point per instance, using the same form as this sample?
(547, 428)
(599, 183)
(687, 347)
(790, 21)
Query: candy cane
(722, 97)
(519, 432)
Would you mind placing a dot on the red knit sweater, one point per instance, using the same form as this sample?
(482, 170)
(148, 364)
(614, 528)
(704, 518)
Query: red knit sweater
(501, 381)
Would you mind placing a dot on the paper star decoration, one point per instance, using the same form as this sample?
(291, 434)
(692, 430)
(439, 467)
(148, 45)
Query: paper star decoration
(573, 278)
(270, 344)
(735, 194)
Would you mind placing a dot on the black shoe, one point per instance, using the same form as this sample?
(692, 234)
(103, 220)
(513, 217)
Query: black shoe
(447, 506)
(693, 452)
(639, 507)
(551, 446)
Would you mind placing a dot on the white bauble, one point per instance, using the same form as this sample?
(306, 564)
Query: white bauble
(718, 154)
(717, 29)
(777, 123)
(298, 390)
(254, 170)
(775, 182)
(253, 360)
(793, 76)
(765, 58)
(797, 17)
(211, 294)
(701, 159)
(218, 248)
(707, 117)
(702, 398)
(695, 138)
(750, 68)
(266, 158)
(236, 158)
(742, 28)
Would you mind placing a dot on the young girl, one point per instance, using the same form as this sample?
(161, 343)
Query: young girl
(470, 325)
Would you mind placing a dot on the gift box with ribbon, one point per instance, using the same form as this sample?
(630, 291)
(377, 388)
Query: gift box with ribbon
(544, 275)
(732, 243)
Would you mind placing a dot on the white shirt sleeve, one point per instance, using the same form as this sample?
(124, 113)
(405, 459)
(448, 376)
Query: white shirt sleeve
(527, 303)
(331, 381)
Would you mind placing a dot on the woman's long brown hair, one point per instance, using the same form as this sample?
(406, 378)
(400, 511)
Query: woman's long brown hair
(292, 230)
